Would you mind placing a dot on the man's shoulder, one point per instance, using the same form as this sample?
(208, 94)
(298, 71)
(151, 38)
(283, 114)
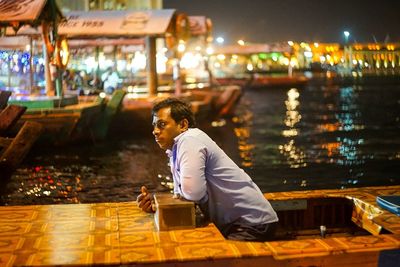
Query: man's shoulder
(193, 136)
(194, 132)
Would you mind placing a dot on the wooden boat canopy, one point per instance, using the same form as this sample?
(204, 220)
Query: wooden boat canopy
(15, 14)
(112, 23)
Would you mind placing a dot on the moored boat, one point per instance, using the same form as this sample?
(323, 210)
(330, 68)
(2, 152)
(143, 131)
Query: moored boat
(207, 104)
(262, 81)
(222, 100)
(68, 120)
(357, 233)
(265, 81)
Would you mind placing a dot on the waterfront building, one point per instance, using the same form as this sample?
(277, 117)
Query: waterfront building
(375, 57)
(325, 54)
(238, 59)
(352, 59)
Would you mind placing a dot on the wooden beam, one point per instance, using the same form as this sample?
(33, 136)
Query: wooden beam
(5, 142)
(4, 95)
(9, 116)
(21, 144)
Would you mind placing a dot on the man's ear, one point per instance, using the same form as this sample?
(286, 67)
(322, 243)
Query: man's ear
(184, 125)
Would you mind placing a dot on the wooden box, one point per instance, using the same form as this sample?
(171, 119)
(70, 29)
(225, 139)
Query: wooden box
(172, 213)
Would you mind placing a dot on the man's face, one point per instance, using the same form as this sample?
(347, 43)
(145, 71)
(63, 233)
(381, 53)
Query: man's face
(165, 129)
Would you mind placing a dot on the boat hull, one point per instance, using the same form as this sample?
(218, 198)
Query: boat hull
(75, 122)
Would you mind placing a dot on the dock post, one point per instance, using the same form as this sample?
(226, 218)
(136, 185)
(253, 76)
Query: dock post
(151, 65)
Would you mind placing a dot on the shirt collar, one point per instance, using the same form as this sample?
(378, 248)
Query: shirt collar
(176, 139)
(168, 152)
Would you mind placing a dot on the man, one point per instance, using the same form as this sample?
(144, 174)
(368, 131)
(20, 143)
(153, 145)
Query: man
(204, 174)
(110, 80)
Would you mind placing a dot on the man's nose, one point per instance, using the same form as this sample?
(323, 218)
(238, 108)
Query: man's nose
(156, 131)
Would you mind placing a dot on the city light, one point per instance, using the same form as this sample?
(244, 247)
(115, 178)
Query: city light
(209, 50)
(220, 40)
(181, 47)
(346, 35)
(240, 42)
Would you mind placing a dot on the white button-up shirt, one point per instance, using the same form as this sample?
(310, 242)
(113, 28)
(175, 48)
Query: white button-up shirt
(202, 173)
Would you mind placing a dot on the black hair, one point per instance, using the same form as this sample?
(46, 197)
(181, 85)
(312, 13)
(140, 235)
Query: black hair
(179, 110)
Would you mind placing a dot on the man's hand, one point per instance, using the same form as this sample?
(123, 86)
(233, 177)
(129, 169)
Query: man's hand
(145, 200)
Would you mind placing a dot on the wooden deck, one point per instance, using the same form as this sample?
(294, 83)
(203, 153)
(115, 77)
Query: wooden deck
(121, 234)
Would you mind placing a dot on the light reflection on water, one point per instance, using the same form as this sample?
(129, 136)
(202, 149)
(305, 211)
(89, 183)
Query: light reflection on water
(42, 182)
(294, 139)
(294, 155)
(89, 173)
(327, 137)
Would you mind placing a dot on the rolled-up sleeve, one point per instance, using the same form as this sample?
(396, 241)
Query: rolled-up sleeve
(192, 165)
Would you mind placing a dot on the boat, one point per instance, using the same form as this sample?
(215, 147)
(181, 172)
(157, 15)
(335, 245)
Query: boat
(69, 120)
(223, 100)
(257, 80)
(13, 149)
(262, 81)
(357, 232)
(207, 104)
(239, 81)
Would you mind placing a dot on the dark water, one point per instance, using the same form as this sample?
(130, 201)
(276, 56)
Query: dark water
(321, 136)
(325, 137)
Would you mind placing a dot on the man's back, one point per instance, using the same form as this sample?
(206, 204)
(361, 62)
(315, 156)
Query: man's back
(232, 195)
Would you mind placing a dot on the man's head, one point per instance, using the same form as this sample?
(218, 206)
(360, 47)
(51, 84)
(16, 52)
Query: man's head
(110, 69)
(171, 117)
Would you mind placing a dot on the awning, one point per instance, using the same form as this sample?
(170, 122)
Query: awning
(77, 43)
(198, 25)
(14, 42)
(112, 23)
(20, 10)
(24, 30)
(16, 13)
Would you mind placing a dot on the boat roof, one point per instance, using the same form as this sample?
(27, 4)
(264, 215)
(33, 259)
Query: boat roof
(113, 23)
(198, 25)
(15, 14)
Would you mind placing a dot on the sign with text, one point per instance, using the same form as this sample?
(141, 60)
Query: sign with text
(116, 23)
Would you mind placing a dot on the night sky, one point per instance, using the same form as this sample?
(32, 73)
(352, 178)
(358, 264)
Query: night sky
(297, 20)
